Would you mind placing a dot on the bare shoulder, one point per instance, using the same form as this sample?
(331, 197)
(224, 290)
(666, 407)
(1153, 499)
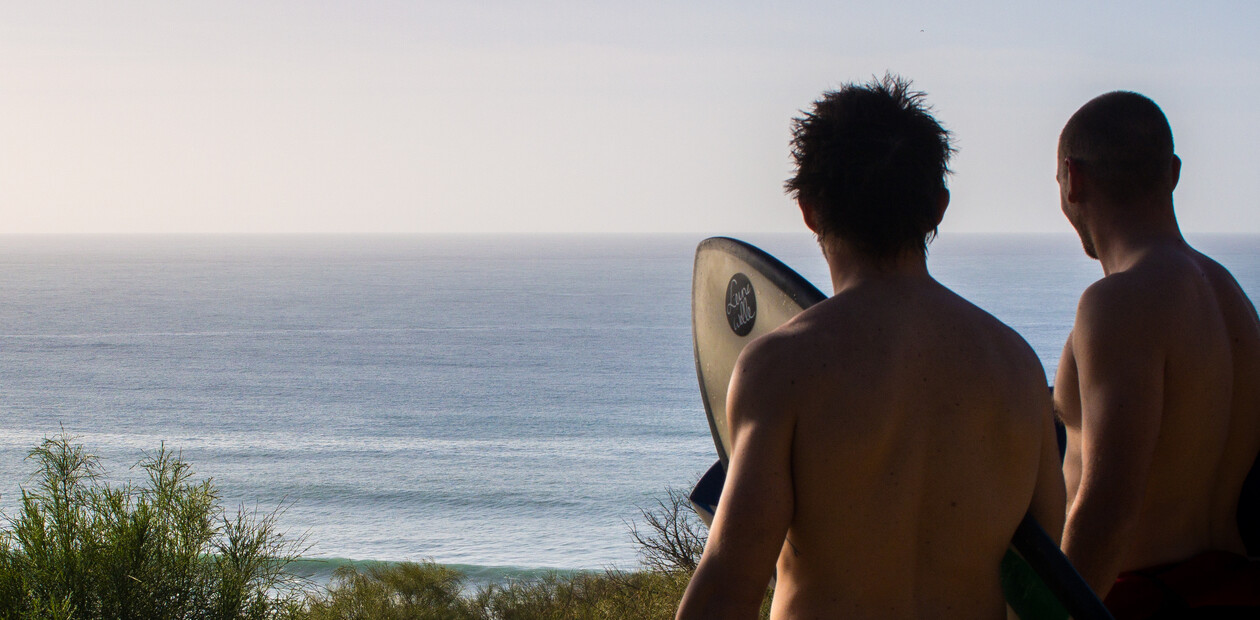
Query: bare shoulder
(1127, 299)
(1160, 291)
(1226, 285)
(776, 360)
(780, 370)
(1011, 344)
(766, 372)
(1119, 290)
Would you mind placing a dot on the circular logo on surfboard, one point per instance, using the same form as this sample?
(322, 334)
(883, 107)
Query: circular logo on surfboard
(741, 304)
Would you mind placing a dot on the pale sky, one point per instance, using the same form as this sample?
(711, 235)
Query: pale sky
(576, 116)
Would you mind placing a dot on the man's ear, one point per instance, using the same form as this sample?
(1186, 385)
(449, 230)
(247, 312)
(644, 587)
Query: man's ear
(1073, 180)
(942, 203)
(809, 213)
(1176, 171)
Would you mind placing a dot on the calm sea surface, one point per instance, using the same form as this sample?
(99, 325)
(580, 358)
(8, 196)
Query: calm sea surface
(486, 401)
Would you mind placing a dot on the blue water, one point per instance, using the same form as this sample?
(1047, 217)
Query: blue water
(482, 401)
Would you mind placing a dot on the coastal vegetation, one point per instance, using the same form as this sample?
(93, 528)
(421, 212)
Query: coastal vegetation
(670, 539)
(424, 591)
(80, 548)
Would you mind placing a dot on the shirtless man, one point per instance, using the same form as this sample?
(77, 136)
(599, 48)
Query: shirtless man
(1159, 383)
(887, 441)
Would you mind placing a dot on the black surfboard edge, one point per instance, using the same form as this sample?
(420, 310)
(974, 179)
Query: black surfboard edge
(1047, 560)
(800, 290)
(804, 293)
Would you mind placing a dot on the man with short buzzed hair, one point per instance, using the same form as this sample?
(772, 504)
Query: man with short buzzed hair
(887, 441)
(1159, 383)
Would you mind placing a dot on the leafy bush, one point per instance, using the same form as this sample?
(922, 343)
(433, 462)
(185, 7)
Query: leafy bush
(428, 591)
(405, 591)
(670, 539)
(82, 549)
(612, 595)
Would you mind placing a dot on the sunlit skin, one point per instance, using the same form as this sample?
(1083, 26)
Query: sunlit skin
(1157, 387)
(886, 443)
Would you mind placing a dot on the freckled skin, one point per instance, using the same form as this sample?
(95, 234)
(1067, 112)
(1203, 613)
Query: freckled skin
(886, 444)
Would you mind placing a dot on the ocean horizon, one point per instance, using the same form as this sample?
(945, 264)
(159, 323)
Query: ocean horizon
(502, 404)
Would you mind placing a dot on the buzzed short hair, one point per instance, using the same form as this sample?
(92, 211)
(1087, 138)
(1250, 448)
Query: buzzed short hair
(872, 161)
(1123, 140)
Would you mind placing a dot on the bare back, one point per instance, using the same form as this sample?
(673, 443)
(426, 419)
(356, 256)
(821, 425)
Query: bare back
(920, 429)
(1203, 334)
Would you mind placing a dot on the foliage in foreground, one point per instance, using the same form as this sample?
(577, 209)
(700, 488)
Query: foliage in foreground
(407, 590)
(81, 549)
(670, 541)
(672, 537)
(427, 591)
(612, 595)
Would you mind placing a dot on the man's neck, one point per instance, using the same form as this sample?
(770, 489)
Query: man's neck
(1123, 235)
(850, 268)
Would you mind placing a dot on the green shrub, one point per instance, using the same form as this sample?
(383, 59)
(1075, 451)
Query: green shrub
(428, 591)
(613, 595)
(79, 549)
(82, 549)
(405, 591)
(670, 539)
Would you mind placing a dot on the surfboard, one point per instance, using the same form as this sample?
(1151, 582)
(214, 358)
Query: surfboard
(739, 293)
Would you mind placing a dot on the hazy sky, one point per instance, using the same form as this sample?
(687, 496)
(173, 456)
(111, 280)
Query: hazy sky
(562, 116)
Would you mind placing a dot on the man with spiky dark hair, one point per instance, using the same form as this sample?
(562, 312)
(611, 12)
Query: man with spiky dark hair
(887, 441)
(1159, 383)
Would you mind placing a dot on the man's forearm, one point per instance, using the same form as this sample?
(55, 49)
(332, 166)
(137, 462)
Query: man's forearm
(1094, 540)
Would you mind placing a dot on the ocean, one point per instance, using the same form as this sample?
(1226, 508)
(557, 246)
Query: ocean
(501, 403)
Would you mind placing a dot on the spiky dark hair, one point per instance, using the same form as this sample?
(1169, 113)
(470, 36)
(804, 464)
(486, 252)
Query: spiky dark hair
(872, 161)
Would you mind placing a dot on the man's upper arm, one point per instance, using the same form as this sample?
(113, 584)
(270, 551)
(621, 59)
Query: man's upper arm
(1120, 364)
(1049, 496)
(757, 503)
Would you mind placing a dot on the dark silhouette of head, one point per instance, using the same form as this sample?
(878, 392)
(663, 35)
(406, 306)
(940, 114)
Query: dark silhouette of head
(1122, 141)
(871, 163)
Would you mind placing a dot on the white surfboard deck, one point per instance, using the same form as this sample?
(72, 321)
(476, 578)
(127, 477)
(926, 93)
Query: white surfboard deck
(738, 293)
